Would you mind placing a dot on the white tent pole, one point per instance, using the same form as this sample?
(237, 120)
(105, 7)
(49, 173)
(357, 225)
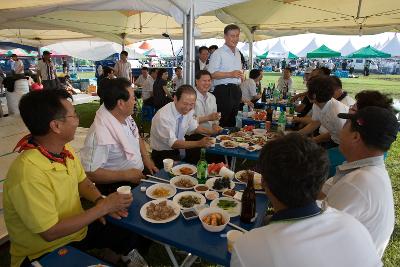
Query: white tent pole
(251, 54)
(191, 44)
(188, 46)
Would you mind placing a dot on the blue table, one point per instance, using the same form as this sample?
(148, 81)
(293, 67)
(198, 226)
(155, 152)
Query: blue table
(264, 105)
(250, 121)
(71, 258)
(234, 153)
(189, 236)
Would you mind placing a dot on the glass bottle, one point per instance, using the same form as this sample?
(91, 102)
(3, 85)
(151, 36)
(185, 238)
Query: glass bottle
(202, 168)
(248, 201)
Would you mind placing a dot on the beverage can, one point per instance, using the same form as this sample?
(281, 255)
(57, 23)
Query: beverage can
(262, 125)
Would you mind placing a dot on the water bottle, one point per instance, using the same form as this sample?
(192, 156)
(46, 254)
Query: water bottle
(239, 118)
(282, 121)
(245, 109)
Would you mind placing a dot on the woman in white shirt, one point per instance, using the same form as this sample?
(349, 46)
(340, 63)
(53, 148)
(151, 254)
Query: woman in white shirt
(249, 87)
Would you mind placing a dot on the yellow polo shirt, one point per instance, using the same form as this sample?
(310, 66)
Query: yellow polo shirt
(38, 194)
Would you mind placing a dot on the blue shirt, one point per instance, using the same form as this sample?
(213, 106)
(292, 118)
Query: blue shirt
(223, 59)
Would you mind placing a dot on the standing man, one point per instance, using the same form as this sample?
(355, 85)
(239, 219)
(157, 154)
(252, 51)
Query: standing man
(17, 66)
(123, 68)
(46, 72)
(147, 89)
(178, 79)
(142, 77)
(226, 70)
(202, 62)
(65, 65)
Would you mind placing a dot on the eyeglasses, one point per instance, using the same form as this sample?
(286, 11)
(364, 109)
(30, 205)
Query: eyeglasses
(76, 116)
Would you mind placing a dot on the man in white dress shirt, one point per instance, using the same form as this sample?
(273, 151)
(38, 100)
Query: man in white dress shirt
(142, 77)
(249, 87)
(178, 79)
(285, 83)
(300, 233)
(226, 69)
(324, 111)
(361, 186)
(17, 66)
(47, 73)
(147, 89)
(114, 153)
(202, 62)
(170, 125)
(123, 68)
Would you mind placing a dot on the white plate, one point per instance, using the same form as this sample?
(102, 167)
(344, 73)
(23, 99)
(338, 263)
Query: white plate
(257, 148)
(243, 145)
(187, 177)
(189, 193)
(223, 135)
(210, 184)
(149, 191)
(233, 212)
(223, 144)
(257, 179)
(176, 170)
(170, 203)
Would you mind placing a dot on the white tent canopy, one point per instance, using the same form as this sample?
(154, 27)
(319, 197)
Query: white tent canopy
(310, 47)
(279, 50)
(392, 47)
(245, 50)
(348, 48)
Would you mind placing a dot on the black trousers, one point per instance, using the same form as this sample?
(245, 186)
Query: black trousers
(159, 156)
(228, 97)
(119, 240)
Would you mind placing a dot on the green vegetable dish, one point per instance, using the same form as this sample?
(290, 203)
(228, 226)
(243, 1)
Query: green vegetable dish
(226, 204)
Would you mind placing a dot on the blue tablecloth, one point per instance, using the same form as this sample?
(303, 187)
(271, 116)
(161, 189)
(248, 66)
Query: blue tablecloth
(250, 121)
(72, 258)
(190, 235)
(233, 152)
(263, 105)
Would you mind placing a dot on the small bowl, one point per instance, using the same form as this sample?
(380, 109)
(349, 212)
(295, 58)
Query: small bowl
(212, 228)
(259, 132)
(211, 195)
(226, 193)
(201, 191)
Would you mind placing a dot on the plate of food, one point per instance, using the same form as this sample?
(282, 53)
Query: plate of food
(238, 134)
(184, 169)
(228, 204)
(228, 144)
(259, 140)
(189, 199)
(223, 137)
(243, 176)
(160, 211)
(184, 182)
(159, 191)
(220, 184)
(253, 148)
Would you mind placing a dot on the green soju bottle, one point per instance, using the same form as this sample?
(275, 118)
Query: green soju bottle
(282, 121)
(202, 168)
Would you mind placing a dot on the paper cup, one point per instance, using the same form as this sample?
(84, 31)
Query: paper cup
(232, 236)
(124, 190)
(213, 140)
(168, 164)
(225, 172)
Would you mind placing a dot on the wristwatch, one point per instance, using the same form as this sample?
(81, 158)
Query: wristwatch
(99, 198)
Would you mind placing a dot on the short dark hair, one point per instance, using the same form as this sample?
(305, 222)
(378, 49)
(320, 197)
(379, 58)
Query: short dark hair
(321, 87)
(160, 73)
(255, 73)
(152, 70)
(202, 73)
(294, 169)
(367, 98)
(184, 89)
(230, 27)
(336, 82)
(145, 68)
(124, 53)
(288, 69)
(215, 47)
(39, 108)
(203, 48)
(116, 90)
(178, 68)
(107, 70)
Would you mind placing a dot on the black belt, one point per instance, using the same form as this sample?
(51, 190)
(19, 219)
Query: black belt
(227, 84)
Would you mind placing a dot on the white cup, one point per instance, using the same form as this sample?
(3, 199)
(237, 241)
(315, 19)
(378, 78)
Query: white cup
(213, 140)
(168, 163)
(232, 236)
(289, 119)
(225, 172)
(124, 190)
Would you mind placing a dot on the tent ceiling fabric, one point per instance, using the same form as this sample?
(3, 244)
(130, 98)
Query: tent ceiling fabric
(280, 18)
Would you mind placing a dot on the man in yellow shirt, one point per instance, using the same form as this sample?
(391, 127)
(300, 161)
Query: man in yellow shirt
(42, 206)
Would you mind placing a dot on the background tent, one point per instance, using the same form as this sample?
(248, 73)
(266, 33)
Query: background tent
(245, 50)
(368, 52)
(279, 50)
(348, 48)
(392, 47)
(323, 52)
(312, 45)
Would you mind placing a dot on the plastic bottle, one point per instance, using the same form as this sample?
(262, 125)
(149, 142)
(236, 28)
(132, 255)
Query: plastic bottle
(238, 119)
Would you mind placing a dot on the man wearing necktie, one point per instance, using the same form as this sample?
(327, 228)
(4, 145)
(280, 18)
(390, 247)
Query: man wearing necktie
(170, 125)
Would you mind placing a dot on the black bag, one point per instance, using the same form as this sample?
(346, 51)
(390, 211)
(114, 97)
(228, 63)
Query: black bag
(8, 83)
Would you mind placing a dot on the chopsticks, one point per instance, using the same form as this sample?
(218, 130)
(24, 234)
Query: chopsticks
(157, 178)
(149, 181)
(237, 227)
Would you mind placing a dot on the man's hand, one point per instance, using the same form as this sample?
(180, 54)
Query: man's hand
(115, 202)
(133, 175)
(217, 129)
(206, 142)
(215, 116)
(149, 164)
(237, 74)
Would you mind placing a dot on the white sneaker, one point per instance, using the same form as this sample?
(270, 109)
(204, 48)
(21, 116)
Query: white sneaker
(134, 259)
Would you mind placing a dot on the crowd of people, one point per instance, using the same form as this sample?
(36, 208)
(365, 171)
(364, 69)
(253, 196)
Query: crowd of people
(346, 220)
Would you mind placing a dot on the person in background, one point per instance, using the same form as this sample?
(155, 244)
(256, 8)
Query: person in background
(249, 87)
(99, 70)
(170, 125)
(142, 77)
(147, 89)
(47, 73)
(123, 68)
(294, 169)
(339, 94)
(161, 94)
(212, 49)
(202, 62)
(226, 69)
(65, 65)
(108, 75)
(285, 83)
(17, 66)
(45, 184)
(177, 81)
(114, 154)
(361, 186)
(368, 98)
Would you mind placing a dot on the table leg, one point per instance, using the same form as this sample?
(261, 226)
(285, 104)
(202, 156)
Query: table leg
(171, 255)
(189, 260)
(233, 163)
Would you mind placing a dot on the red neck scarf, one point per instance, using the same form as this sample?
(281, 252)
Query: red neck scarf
(27, 143)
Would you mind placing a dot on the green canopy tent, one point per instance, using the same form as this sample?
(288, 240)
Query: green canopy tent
(292, 56)
(263, 56)
(289, 56)
(323, 52)
(368, 52)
